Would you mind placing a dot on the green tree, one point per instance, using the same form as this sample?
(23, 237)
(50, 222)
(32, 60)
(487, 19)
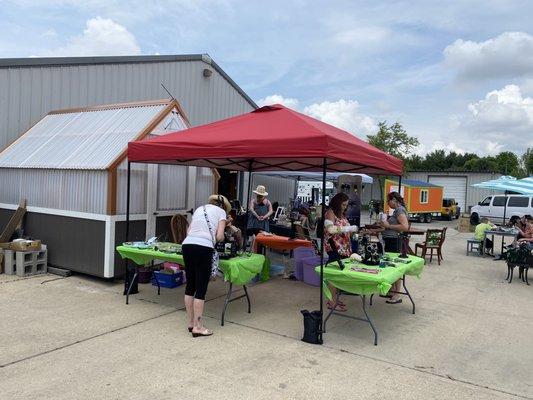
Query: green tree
(394, 140)
(526, 162)
(481, 164)
(414, 162)
(437, 160)
(508, 164)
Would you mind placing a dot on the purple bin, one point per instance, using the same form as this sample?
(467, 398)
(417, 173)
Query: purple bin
(310, 276)
(299, 254)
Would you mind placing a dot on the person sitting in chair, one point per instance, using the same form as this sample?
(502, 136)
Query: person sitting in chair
(479, 234)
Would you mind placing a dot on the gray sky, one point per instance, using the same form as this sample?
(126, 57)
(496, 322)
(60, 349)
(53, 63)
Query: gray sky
(457, 74)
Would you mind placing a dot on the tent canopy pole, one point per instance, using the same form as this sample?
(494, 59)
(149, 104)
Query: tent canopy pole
(247, 208)
(321, 233)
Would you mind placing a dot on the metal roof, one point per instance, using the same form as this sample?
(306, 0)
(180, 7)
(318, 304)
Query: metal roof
(66, 61)
(91, 138)
(412, 182)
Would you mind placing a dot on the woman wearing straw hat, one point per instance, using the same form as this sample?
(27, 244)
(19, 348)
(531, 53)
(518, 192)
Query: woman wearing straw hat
(206, 229)
(260, 211)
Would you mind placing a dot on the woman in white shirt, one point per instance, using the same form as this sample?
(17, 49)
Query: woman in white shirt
(206, 229)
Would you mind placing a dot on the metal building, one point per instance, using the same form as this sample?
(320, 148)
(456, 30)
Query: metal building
(90, 200)
(32, 87)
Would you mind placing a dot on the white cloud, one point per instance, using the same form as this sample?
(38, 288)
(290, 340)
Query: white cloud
(101, 37)
(493, 148)
(278, 99)
(507, 55)
(503, 109)
(502, 120)
(343, 114)
(448, 147)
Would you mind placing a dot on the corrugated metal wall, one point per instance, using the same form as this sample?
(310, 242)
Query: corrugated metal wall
(29, 93)
(139, 175)
(83, 191)
(172, 187)
(204, 185)
(279, 189)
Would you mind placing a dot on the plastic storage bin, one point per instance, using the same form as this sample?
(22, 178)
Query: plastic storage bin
(168, 280)
(299, 254)
(309, 275)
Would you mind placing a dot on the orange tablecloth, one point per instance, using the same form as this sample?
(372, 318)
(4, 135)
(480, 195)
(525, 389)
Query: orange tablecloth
(279, 242)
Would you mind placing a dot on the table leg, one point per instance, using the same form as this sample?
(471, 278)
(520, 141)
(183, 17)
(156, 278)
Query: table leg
(226, 302)
(405, 292)
(367, 319)
(330, 312)
(363, 299)
(156, 281)
(229, 300)
(131, 284)
(247, 299)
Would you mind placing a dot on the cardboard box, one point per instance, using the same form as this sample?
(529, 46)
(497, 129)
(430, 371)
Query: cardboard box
(22, 245)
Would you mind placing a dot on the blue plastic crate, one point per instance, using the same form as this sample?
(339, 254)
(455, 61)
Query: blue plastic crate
(168, 280)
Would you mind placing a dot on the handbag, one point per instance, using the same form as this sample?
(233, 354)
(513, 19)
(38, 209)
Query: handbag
(214, 260)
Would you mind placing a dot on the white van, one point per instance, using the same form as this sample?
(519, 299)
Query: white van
(492, 207)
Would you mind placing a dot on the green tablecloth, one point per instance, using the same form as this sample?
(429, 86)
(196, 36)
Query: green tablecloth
(364, 283)
(237, 270)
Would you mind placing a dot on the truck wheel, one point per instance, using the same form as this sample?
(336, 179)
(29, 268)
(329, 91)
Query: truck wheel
(474, 219)
(428, 218)
(450, 216)
(421, 218)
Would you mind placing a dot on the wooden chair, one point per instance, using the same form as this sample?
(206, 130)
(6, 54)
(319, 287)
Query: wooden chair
(433, 242)
(179, 226)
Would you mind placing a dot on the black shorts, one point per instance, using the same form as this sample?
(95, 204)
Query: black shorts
(197, 260)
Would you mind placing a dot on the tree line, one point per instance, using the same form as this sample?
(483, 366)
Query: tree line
(394, 140)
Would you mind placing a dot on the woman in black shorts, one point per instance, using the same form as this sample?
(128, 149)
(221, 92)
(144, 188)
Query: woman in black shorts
(206, 229)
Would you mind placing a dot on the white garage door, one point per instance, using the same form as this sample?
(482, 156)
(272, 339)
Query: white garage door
(454, 187)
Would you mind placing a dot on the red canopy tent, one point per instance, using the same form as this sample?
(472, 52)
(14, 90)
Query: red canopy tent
(268, 139)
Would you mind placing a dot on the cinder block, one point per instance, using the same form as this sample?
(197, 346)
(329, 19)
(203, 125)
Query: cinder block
(9, 262)
(26, 263)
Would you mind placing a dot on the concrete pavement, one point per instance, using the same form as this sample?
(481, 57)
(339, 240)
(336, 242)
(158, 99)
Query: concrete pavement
(75, 338)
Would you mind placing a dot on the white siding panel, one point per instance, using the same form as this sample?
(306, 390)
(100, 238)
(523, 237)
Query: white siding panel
(204, 185)
(139, 176)
(171, 187)
(83, 191)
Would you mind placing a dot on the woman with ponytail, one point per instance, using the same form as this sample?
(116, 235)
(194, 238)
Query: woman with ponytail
(396, 223)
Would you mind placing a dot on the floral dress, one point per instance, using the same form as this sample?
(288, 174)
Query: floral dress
(341, 240)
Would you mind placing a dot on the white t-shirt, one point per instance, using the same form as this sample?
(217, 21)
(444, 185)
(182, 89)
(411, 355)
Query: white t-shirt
(199, 231)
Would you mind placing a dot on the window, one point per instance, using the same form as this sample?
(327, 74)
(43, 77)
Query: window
(486, 202)
(423, 196)
(499, 201)
(515, 201)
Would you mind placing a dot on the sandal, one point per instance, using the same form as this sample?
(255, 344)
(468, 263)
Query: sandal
(336, 307)
(207, 332)
(190, 329)
(394, 301)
